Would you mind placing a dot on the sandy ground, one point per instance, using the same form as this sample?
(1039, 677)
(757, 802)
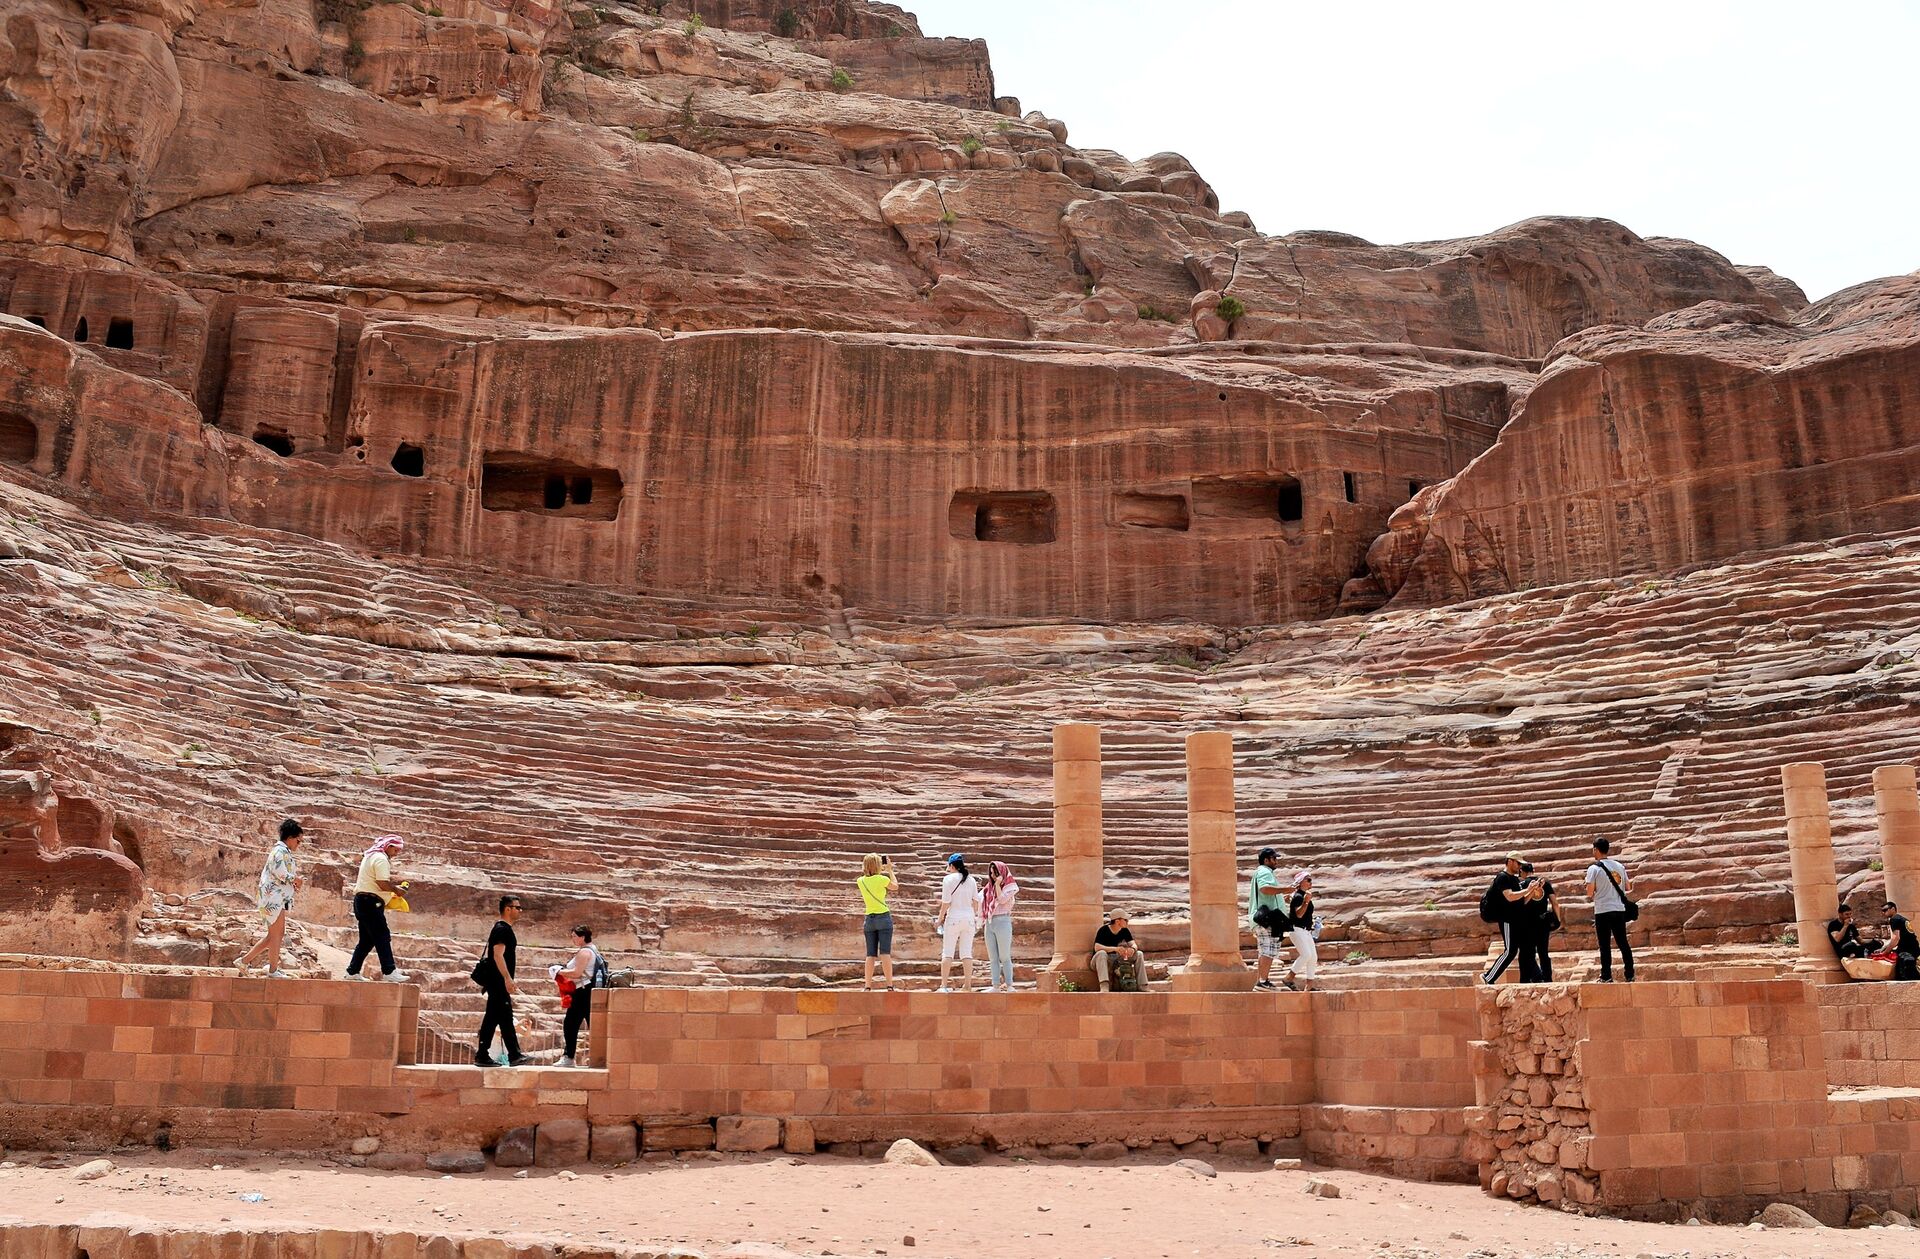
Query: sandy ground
(846, 1207)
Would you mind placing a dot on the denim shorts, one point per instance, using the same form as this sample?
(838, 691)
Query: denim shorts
(879, 930)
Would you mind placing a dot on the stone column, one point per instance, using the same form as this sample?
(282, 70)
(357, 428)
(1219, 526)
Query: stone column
(1810, 850)
(1079, 864)
(1897, 803)
(1214, 963)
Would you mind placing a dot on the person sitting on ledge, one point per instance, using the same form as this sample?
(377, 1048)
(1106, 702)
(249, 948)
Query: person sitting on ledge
(1845, 934)
(1116, 960)
(1902, 943)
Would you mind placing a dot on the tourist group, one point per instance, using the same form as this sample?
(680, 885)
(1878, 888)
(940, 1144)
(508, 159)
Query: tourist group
(1280, 913)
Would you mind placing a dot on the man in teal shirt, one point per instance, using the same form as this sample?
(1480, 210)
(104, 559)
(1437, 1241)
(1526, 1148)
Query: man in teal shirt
(1266, 893)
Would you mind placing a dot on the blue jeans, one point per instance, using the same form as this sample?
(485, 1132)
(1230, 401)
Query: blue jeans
(1000, 951)
(879, 933)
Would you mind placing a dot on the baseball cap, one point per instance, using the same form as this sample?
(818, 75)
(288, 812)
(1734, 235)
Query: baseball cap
(1265, 853)
(955, 859)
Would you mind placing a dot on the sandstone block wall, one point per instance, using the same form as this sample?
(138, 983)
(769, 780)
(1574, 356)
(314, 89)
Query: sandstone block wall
(1871, 1034)
(1396, 1047)
(1668, 1100)
(116, 1053)
(1074, 1066)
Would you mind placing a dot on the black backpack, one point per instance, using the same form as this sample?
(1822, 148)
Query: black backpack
(1493, 906)
(601, 977)
(1274, 919)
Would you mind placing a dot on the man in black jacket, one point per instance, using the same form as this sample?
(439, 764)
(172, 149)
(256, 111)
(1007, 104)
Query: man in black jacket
(494, 972)
(1511, 900)
(1845, 934)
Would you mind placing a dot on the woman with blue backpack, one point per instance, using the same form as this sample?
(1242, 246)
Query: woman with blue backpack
(587, 970)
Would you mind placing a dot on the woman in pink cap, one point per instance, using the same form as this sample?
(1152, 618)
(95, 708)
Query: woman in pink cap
(371, 892)
(1306, 959)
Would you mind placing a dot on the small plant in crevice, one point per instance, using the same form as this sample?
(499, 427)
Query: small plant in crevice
(1229, 308)
(949, 218)
(1003, 126)
(409, 234)
(895, 30)
(1148, 311)
(1787, 937)
(1356, 956)
(786, 23)
(641, 134)
(356, 53)
(693, 26)
(1876, 864)
(971, 145)
(840, 80)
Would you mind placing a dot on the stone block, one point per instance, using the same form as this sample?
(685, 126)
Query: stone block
(748, 1134)
(456, 1161)
(515, 1148)
(676, 1135)
(798, 1136)
(560, 1143)
(613, 1143)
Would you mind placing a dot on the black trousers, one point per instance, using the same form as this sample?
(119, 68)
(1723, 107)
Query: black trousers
(1514, 944)
(370, 912)
(1533, 948)
(581, 1011)
(499, 1015)
(1611, 928)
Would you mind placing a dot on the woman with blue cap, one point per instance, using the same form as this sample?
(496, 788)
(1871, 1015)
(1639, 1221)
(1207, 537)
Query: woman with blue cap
(957, 920)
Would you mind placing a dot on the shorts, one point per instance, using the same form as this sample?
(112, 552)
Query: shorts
(1269, 943)
(879, 933)
(956, 939)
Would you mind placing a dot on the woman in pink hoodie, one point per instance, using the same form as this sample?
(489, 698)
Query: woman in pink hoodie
(996, 905)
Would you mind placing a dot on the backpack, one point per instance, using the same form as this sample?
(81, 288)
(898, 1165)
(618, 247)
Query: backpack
(1493, 905)
(601, 976)
(1274, 919)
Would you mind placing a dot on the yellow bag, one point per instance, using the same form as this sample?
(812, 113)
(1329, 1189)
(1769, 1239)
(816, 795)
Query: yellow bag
(398, 904)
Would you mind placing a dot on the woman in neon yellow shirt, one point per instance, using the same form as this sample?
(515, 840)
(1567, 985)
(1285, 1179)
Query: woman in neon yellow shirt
(875, 882)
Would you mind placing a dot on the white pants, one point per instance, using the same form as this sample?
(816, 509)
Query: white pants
(1308, 953)
(956, 938)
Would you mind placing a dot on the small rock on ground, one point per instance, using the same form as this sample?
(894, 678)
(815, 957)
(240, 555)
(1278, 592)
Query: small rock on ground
(457, 1161)
(1322, 1188)
(905, 1153)
(1785, 1215)
(1199, 1167)
(366, 1145)
(94, 1170)
(1286, 1165)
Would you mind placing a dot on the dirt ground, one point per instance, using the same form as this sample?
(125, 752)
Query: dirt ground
(846, 1207)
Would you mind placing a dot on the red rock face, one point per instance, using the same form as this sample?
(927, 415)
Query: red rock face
(456, 378)
(1706, 434)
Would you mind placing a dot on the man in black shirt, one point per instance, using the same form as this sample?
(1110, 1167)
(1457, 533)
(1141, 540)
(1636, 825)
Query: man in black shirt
(1115, 959)
(1902, 943)
(1845, 934)
(1509, 899)
(494, 972)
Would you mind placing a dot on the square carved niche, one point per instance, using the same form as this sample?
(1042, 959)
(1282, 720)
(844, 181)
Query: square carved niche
(1025, 516)
(1145, 509)
(1262, 497)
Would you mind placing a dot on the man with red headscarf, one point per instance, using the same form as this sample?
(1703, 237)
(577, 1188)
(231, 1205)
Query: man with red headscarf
(371, 892)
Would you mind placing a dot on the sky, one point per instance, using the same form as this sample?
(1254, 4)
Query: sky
(1784, 135)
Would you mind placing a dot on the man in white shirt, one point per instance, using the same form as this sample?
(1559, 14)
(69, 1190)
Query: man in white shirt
(1608, 884)
(371, 891)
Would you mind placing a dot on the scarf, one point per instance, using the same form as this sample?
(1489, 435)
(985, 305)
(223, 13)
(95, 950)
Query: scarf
(998, 876)
(386, 843)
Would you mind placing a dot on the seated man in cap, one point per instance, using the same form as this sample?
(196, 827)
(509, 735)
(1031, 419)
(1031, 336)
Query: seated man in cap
(1116, 959)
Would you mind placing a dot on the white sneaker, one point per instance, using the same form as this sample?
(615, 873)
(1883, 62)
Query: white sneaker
(943, 988)
(278, 974)
(566, 1060)
(398, 977)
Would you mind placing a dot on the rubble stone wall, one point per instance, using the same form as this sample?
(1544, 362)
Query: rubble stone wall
(1669, 1100)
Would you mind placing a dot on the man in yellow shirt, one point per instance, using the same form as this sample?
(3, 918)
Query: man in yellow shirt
(371, 891)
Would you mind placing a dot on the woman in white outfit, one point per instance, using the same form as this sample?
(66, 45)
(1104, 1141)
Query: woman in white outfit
(1306, 953)
(957, 920)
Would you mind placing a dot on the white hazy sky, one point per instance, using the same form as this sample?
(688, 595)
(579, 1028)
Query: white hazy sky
(1786, 135)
